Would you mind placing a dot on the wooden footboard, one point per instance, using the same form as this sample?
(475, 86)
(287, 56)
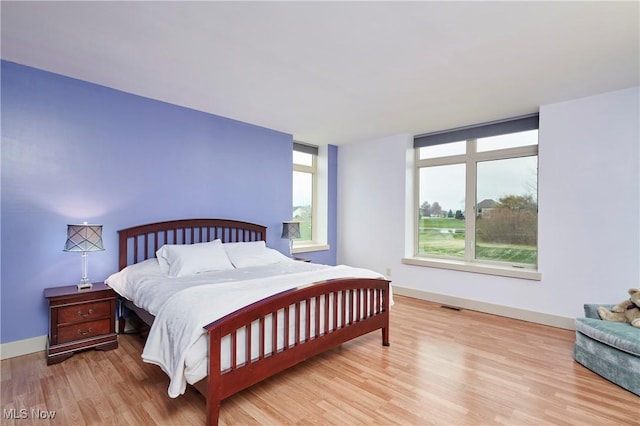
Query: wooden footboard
(323, 316)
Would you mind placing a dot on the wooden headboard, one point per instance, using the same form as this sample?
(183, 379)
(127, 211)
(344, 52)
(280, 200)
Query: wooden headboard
(141, 242)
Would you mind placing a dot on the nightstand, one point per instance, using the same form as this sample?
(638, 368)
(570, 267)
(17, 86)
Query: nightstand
(80, 319)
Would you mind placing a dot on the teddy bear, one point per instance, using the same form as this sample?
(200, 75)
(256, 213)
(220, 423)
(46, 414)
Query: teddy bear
(627, 311)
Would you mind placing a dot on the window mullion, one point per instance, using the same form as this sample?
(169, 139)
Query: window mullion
(524, 151)
(441, 161)
(470, 202)
(314, 200)
(416, 203)
(303, 168)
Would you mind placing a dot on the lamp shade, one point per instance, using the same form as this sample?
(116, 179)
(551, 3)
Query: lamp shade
(84, 238)
(290, 230)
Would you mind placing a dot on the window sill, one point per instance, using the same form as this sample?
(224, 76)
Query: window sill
(460, 265)
(309, 247)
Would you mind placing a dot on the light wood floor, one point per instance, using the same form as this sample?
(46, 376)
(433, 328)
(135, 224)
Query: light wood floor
(443, 367)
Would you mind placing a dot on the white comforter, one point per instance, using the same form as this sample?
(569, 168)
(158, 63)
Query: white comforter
(183, 306)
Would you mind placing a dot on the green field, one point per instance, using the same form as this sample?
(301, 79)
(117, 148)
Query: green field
(442, 222)
(445, 237)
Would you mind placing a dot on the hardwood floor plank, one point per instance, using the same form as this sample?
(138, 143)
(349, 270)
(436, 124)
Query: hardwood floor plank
(443, 367)
(50, 392)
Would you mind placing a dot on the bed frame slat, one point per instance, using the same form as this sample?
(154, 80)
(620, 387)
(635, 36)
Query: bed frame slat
(307, 318)
(274, 336)
(297, 323)
(285, 345)
(234, 349)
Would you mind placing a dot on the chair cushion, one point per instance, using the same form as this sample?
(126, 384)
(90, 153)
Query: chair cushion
(619, 335)
(591, 310)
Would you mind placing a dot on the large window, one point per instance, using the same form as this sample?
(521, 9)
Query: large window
(477, 196)
(304, 189)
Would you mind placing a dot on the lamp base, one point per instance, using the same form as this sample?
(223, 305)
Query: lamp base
(83, 285)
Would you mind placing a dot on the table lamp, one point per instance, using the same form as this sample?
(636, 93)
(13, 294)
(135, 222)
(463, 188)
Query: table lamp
(290, 230)
(84, 238)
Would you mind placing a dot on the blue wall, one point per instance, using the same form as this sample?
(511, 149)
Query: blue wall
(74, 151)
(328, 257)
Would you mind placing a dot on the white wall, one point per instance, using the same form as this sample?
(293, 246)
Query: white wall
(589, 207)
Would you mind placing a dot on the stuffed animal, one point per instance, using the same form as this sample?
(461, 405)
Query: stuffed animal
(627, 311)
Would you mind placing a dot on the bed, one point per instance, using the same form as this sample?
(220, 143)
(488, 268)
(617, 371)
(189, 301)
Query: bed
(294, 321)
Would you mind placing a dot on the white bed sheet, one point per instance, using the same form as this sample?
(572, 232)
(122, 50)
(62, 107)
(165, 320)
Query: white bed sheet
(177, 341)
(149, 288)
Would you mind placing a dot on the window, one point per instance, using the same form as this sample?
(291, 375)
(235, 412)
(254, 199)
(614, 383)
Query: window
(305, 159)
(476, 194)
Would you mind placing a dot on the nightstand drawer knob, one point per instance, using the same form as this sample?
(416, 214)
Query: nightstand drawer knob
(84, 333)
(80, 314)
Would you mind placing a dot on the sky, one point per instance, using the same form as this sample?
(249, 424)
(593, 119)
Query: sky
(495, 179)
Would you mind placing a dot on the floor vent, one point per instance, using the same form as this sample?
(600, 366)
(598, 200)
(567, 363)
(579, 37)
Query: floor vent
(453, 308)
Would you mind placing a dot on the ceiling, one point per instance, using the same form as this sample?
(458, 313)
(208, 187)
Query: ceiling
(337, 72)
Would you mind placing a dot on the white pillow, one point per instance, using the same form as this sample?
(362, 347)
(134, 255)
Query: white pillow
(125, 281)
(180, 260)
(254, 253)
(162, 261)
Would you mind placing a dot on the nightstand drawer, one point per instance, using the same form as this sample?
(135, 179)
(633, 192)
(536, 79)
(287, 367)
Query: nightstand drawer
(84, 312)
(84, 330)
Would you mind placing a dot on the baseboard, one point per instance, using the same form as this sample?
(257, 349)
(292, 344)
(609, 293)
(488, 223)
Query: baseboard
(489, 308)
(39, 343)
(23, 347)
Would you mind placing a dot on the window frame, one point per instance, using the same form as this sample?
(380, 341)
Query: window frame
(471, 158)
